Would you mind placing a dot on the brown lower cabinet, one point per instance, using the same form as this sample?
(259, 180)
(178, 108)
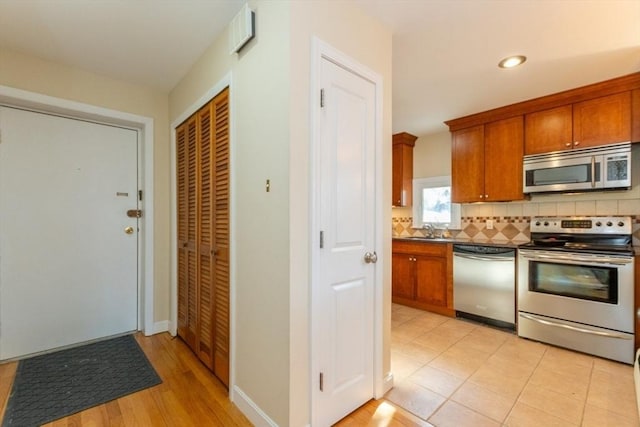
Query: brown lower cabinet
(422, 275)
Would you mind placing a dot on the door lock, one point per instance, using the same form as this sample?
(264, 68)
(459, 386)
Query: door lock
(128, 230)
(371, 257)
(134, 213)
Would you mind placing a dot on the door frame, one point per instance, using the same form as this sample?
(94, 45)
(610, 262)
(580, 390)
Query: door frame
(321, 50)
(12, 97)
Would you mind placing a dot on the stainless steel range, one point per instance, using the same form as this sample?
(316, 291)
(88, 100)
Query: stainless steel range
(575, 285)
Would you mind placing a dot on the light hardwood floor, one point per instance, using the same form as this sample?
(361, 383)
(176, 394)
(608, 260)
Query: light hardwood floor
(190, 395)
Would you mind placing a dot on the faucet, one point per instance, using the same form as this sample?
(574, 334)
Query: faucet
(429, 229)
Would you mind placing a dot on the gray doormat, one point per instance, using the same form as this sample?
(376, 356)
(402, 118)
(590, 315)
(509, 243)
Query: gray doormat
(59, 384)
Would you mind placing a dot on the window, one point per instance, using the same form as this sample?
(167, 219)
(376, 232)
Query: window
(432, 203)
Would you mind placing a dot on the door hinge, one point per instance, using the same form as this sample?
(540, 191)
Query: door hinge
(321, 239)
(321, 98)
(321, 381)
(140, 195)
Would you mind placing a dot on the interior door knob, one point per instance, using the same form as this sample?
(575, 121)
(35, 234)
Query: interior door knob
(128, 230)
(370, 257)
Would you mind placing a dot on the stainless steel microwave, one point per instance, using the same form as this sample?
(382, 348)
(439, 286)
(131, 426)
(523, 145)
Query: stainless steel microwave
(587, 169)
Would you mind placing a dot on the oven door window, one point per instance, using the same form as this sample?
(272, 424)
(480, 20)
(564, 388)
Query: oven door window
(595, 283)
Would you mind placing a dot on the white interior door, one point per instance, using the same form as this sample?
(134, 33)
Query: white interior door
(343, 295)
(68, 269)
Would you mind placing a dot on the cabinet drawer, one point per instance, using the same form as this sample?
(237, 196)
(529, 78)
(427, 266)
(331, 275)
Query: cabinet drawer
(420, 248)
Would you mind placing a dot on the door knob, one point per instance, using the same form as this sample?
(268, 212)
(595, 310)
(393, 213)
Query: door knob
(128, 230)
(370, 258)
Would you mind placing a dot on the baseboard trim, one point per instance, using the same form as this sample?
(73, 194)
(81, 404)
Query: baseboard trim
(387, 383)
(250, 409)
(161, 326)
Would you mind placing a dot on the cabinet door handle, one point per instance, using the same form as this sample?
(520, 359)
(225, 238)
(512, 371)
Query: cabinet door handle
(576, 143)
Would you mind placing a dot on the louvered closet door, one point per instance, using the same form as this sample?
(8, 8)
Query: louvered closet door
(220, 114)
(186, 141)
(202, 147)
(205, 240)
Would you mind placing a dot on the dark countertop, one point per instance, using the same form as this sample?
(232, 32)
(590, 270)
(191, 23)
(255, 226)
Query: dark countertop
(477, 242)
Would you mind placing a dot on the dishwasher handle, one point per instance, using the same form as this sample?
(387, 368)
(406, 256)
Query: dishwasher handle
(485, 257)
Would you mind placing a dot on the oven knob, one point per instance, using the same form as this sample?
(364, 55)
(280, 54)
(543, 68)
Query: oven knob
(620, 224)
(598, 224)
(609, 223)
(538, 223)
(546, 223)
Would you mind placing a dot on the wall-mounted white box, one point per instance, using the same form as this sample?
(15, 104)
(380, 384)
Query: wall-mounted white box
(241, 29)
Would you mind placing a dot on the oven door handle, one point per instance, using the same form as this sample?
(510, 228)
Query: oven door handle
(576, 258)
(575, 328)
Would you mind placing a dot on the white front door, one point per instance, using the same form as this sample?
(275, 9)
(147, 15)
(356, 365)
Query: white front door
(343, 294)
(68, 267)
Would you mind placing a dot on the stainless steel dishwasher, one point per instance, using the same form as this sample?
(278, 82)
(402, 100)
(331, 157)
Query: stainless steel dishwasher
(484, 284)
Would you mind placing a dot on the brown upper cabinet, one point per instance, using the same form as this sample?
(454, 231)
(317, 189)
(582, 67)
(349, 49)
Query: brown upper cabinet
(487, 162)
(600, 121)
(593, 108)
(402, 193)
(487, 148)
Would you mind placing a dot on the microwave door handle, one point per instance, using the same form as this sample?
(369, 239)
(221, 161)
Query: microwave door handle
(557, 181)
(593, 171)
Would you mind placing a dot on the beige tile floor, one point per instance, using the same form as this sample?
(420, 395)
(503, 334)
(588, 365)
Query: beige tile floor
(452, 372)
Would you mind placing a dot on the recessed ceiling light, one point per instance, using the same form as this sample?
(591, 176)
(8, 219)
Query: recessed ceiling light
(512, 61)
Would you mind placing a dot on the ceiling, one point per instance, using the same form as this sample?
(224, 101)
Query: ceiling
(445, 52)
(148, 42)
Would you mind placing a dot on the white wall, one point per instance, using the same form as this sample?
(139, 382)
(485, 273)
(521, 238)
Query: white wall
(261, 86)
(33, 74)
(270, 140)
(432, 155)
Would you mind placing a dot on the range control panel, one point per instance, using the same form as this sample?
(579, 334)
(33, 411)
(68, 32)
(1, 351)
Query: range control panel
(587, 225)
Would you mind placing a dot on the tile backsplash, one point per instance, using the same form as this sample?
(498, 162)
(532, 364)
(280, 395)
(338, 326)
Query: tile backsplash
(506, 229)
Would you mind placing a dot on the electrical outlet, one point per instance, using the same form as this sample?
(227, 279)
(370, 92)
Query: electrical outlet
(489, 224)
